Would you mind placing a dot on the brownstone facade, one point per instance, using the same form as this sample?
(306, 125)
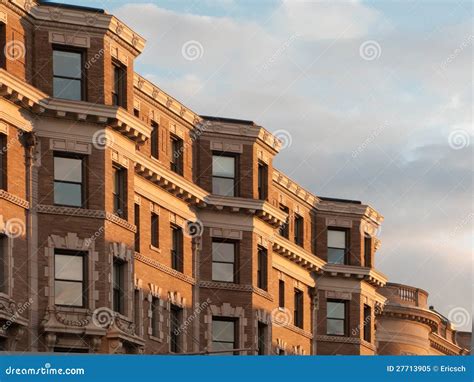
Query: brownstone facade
(130, 224)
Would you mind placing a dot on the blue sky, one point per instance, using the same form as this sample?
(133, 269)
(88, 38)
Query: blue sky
(375, 97)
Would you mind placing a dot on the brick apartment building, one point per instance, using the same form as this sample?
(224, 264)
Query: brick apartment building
(131, 224)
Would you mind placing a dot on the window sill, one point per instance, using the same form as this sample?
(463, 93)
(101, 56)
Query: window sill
(155, 249)
(156, 339)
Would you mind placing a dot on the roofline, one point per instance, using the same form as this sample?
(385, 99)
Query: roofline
(329, 199)
(71, 6)
(228, 120)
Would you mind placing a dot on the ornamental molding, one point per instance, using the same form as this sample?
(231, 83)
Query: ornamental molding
(294, 189)
(70, 39)
(157, 265)
(338, 339)
(226, 286)
(14, 199)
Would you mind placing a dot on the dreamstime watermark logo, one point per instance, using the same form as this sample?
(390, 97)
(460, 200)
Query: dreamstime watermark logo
(96, 57)
(193, 228)
(192, 50)
(192, 317)
(103, 317)
(370, 50)
(14, 50)
(455, 53)
(281, 317)
(14, 228)
(285, 138)
(369, 140)
(446, 240)
(22, 307)
(459, 316)
(459, 139)
(278, 53)
(100, 139)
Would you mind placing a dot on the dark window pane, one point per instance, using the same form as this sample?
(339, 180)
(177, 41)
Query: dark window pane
(223, 331)
(223, 186)
(223, 251)
(68, 194)
(336, 310)
(335, 327)
(68, 293)
(223, 272)
(68, 267)
(223, 166)
(336, 256)
(67, 64)
(68, 169)
(3, 263)
(67, 89)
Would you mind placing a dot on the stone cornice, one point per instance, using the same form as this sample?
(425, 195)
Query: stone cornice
(86, 213)
(14, 199)
(27, 96)
(157, 265)
(412, 313)
(341, 207)
(90, 19)
(294, 188)
(260, 208)
(443, 345)
(252, 131)
(297, 254)
(168, 180)
(370, 275)
(164, 99)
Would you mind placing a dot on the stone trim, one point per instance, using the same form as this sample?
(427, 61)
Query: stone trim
(139, 324)
(175, 298)
(262, 293)
(226, 233)
(155, 208)
(298, 350)
(339, 222)
(3, 128)
(8, 262)
(339, 339)
(177, 220)
(71, 39)
(155, 292)
(226, 310)
(121, 252)
(226, 286)
(72, 242)
(228, 147)
(177, 130)
(266, 318)
(338, 295)
(119, 55)
(264, 242)
(280, 345)
(14, 199)
(70, 145)
(120, 159)
(3, 17)
(157, 265)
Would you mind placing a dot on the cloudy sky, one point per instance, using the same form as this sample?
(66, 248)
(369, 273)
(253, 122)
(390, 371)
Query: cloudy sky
(373, 100)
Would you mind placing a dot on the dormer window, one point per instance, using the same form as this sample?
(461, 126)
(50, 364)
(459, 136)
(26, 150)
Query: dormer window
(68, 76)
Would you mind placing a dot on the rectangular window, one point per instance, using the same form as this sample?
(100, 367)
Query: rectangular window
(368, 252)
(262, 268)
(68, 180)
(281, 293)
(175, 329)
(136, 217)
(3, 162)
(262, 181)
(367, 323)
(223, 261)
(224, 175)
(154, 140)
(336, 318)
(120, 191)
(69, 278)
(136, 112)
(68, 74)
(177, 248)
(119, 286)
(3, 263)
(224, 335)
(337, 246)
(155, 230)
(177, 153)
(155, 317)
(284, 229)
(298, 312)
(299, 230)
(261, 338)
(3, 40)
(119, 94)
